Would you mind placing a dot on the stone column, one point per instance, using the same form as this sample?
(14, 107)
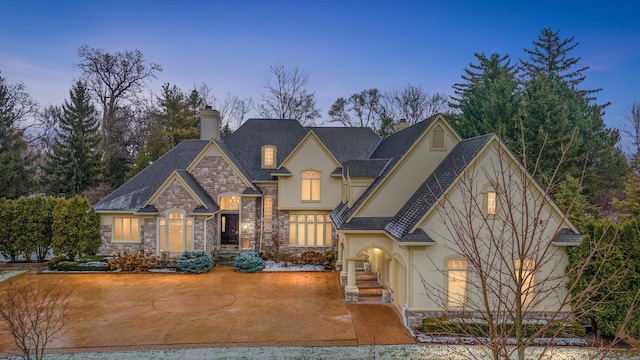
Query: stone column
(351, 290)
(343, 270)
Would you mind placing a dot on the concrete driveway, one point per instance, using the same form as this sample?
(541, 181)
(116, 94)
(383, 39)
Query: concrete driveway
(220, 308)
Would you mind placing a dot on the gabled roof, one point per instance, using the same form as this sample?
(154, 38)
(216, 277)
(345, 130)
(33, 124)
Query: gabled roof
(246, 143)
(347, 143)
(208, 205)
(367, 223)
(133, 194)
(567, 237)
(435, 185)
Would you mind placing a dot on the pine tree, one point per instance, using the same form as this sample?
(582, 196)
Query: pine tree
(488, 99)
(75, 164)
(16, 171)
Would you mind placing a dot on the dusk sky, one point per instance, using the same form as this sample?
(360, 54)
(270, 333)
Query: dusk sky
(344, 46)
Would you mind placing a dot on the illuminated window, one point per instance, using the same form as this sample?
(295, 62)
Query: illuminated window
(175, 233)
(309, 230)
(268, 209)
(230, 203)
(491, 203)
(310, 186)
(126, 229)
(524, 272)
(456, 282)
(268, 157)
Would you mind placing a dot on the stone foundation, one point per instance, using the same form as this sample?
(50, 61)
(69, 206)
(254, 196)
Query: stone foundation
(414, 318)
(351, 296)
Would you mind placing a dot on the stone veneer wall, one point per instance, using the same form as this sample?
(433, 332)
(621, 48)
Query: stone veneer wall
(147, 243)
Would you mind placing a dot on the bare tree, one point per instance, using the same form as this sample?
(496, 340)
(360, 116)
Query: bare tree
(287, 97)
(116, 80)
(514, 288)
(414, 104)
(632, 130)
(233, 110)
(363, 109)
(35, 314)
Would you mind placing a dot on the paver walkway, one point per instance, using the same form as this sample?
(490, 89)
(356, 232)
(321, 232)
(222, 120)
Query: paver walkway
(221, 308)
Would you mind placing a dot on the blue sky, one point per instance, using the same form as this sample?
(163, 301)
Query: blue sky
(344, 46)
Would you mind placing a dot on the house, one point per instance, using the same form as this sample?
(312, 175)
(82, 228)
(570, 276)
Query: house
(276, 185)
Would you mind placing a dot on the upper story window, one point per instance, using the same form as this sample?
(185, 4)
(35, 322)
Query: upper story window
(438, 139)
(491, 203)
(269, 157)
(310, 186)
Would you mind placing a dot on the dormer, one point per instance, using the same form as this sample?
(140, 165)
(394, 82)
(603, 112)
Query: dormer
(269, 156)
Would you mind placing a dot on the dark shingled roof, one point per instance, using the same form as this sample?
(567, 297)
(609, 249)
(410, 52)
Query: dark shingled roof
(210, 206)
(364, 168)
(135, 192)
(246, 143)
(366, 223)
(417, 236)
(567, 236)
(394, 146)
(434, 186)
(347, 143)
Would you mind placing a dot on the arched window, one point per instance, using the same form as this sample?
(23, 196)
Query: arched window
(456, 282)
(175, 232)
(310, 186)
(269, 157)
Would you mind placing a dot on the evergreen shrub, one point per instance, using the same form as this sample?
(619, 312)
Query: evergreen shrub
(53, 263)
(196, 262)
(83, 266)
(249, 261)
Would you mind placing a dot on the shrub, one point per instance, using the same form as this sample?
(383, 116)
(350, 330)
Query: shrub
(53, 263)
(479, 328)
(83, 266)
(76, 228)
(312, 258)
(132, 262)
(248, 261)
(196, 262)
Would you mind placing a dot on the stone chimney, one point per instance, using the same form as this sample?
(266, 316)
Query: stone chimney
(209, 124)
(401, 125)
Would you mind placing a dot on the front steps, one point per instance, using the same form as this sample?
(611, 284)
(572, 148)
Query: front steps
(225, 255)
(369, 289)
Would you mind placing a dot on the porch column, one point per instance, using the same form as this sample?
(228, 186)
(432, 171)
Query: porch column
(343, 270)
(351, 290)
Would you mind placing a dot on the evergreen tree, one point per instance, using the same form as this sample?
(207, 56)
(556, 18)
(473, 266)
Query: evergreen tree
(75, 164)
(16, 171)
(488, 99)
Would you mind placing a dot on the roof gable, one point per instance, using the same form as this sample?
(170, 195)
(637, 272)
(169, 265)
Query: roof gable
(205, 204)
(311, 136)
(228, 156)
(132, 195)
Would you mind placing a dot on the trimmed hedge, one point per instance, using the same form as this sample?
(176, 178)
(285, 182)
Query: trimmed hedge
(83, 266)
(249, 262)
(196, 262)
(479, 328)
(53, 263)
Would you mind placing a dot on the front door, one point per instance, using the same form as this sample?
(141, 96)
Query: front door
(229, 229)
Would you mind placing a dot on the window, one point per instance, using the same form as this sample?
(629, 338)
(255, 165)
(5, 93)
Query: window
(230, 203)
(437, 139)
(268, 157)
(175, 233)
(491, 203)
(310, 186)
(126, 229)
(525, 269)
(456, 282)
(268, 209)
(309, 230)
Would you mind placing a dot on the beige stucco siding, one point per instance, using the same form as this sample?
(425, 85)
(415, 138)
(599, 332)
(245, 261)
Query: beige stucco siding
(410, 172)
(310, 155)
(429, 263)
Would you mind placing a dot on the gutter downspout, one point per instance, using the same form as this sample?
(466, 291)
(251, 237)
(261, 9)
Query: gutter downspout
(261, 223)
(405, 321)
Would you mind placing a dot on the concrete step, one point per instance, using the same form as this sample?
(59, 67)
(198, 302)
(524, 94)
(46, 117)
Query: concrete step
(370, 292)
(366, 277)
(367, 284)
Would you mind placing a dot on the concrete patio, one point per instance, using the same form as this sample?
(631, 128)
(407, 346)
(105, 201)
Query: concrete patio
(219, 309)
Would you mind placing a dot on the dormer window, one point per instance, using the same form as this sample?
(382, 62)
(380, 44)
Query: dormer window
(269, 157)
